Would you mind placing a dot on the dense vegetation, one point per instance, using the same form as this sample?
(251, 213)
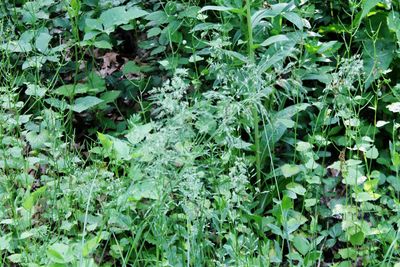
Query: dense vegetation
(199, 133)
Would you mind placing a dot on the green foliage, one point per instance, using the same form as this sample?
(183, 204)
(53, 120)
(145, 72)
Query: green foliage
(199, 133)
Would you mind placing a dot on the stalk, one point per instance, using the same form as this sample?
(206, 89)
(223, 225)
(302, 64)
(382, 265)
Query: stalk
(256, 119)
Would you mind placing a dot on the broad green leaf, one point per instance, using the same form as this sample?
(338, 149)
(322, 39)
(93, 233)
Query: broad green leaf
(131, 67)
(303, 146)
(15, 258)
(365, 196)
(42, 42)
(110, 96)
(105, 141)
(377, 58)
(366, 7)
(57, 103)
(153, 32)
(84, 103)
(296, 188)
(121, 149)
(394, 181)
(145, 189)
(117, 16)
(301, 244)
(103, 44)
(59, 253)
(357, 239)
(32, 198)
(393, 22)
(35, 90)
(206, 27)
(348, 253)
(90, 246)
(372, 153)
(290, 170)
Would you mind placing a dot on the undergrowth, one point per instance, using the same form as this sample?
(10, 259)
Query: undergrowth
(199, 133)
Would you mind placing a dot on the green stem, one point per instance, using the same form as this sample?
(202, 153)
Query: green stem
(256, 118)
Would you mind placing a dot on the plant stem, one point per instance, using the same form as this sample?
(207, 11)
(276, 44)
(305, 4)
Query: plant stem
(256, 118)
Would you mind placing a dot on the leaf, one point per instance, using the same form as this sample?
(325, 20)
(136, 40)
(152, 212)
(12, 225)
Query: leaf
(15, 258)
(145, 189)
(130, 67)
(295, 19)
(110, 96)
(219, 8)
(367, 5)
(35, 90)
(393, 22)
(119, 15)
(394, 107)
(290, 170)
(271, 12)
(301, 244)
(348, 253)
(357, 239)
(42, 42)
(70, 90)
(90, 246)
(103, 44)
(153, 32)
(365, 196)
(372, 153)
(138, 133)
(84, 103)
(105, 141)
(296, 188)
(377, 58)
(59, 253)
(275, 39)
(32, 198)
